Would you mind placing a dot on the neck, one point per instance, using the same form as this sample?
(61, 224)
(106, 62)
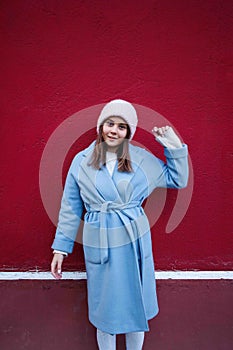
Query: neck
(111, 150)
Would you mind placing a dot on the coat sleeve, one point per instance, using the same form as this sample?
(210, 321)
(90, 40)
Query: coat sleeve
(172, 174)
(70, 212)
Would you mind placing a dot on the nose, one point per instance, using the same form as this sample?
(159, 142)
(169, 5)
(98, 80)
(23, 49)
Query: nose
(114, 129)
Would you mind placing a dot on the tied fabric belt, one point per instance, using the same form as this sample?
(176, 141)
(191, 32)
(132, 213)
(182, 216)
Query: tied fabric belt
(107, 207)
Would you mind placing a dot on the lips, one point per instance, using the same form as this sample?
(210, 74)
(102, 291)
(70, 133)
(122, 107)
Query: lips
(112, 138)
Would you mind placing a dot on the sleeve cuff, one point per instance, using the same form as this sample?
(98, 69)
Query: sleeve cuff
(60, 252)
(176, 152)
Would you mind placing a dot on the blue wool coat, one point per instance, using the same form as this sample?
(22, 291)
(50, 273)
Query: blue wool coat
(116, 234)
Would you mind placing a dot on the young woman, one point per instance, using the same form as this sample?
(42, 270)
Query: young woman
(111, 179)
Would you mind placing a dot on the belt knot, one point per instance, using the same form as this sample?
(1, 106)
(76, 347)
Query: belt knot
(104, 208)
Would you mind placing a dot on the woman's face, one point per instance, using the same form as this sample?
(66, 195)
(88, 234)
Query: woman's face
(114, 132)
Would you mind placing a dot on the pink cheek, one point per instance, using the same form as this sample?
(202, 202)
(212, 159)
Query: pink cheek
(123, 134)
(105, 132)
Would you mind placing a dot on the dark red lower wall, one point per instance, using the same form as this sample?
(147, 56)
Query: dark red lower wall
(48, 315)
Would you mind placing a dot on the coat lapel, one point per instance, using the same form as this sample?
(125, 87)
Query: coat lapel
(117, 187)
(99, 180)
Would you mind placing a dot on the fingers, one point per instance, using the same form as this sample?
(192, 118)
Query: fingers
(56, 266)
(160, 131)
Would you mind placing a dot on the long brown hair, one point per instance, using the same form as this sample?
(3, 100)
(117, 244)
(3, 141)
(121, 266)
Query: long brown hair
(98, 157)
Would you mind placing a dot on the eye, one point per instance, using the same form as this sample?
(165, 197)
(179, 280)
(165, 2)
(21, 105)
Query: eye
(122, 126)
(109, 123)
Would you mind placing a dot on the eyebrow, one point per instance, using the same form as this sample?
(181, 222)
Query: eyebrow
(121, 123)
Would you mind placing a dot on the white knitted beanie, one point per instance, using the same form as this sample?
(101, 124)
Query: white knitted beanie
(119, 108)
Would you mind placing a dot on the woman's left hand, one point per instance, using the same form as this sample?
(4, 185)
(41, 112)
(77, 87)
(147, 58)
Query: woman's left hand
(166, 136)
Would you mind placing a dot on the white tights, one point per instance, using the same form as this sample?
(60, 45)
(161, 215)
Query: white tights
(134, 341)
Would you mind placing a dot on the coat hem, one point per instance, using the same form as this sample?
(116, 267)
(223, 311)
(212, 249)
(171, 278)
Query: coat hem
(102, 326)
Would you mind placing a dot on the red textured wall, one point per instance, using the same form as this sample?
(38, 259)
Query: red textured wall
(175, 57)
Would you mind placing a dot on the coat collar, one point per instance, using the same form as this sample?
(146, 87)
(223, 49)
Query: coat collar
(101, 180)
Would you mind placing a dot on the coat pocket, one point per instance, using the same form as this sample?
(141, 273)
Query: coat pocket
(92, 255)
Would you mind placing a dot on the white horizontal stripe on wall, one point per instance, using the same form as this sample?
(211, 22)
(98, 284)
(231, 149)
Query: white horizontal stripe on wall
(159, 275)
